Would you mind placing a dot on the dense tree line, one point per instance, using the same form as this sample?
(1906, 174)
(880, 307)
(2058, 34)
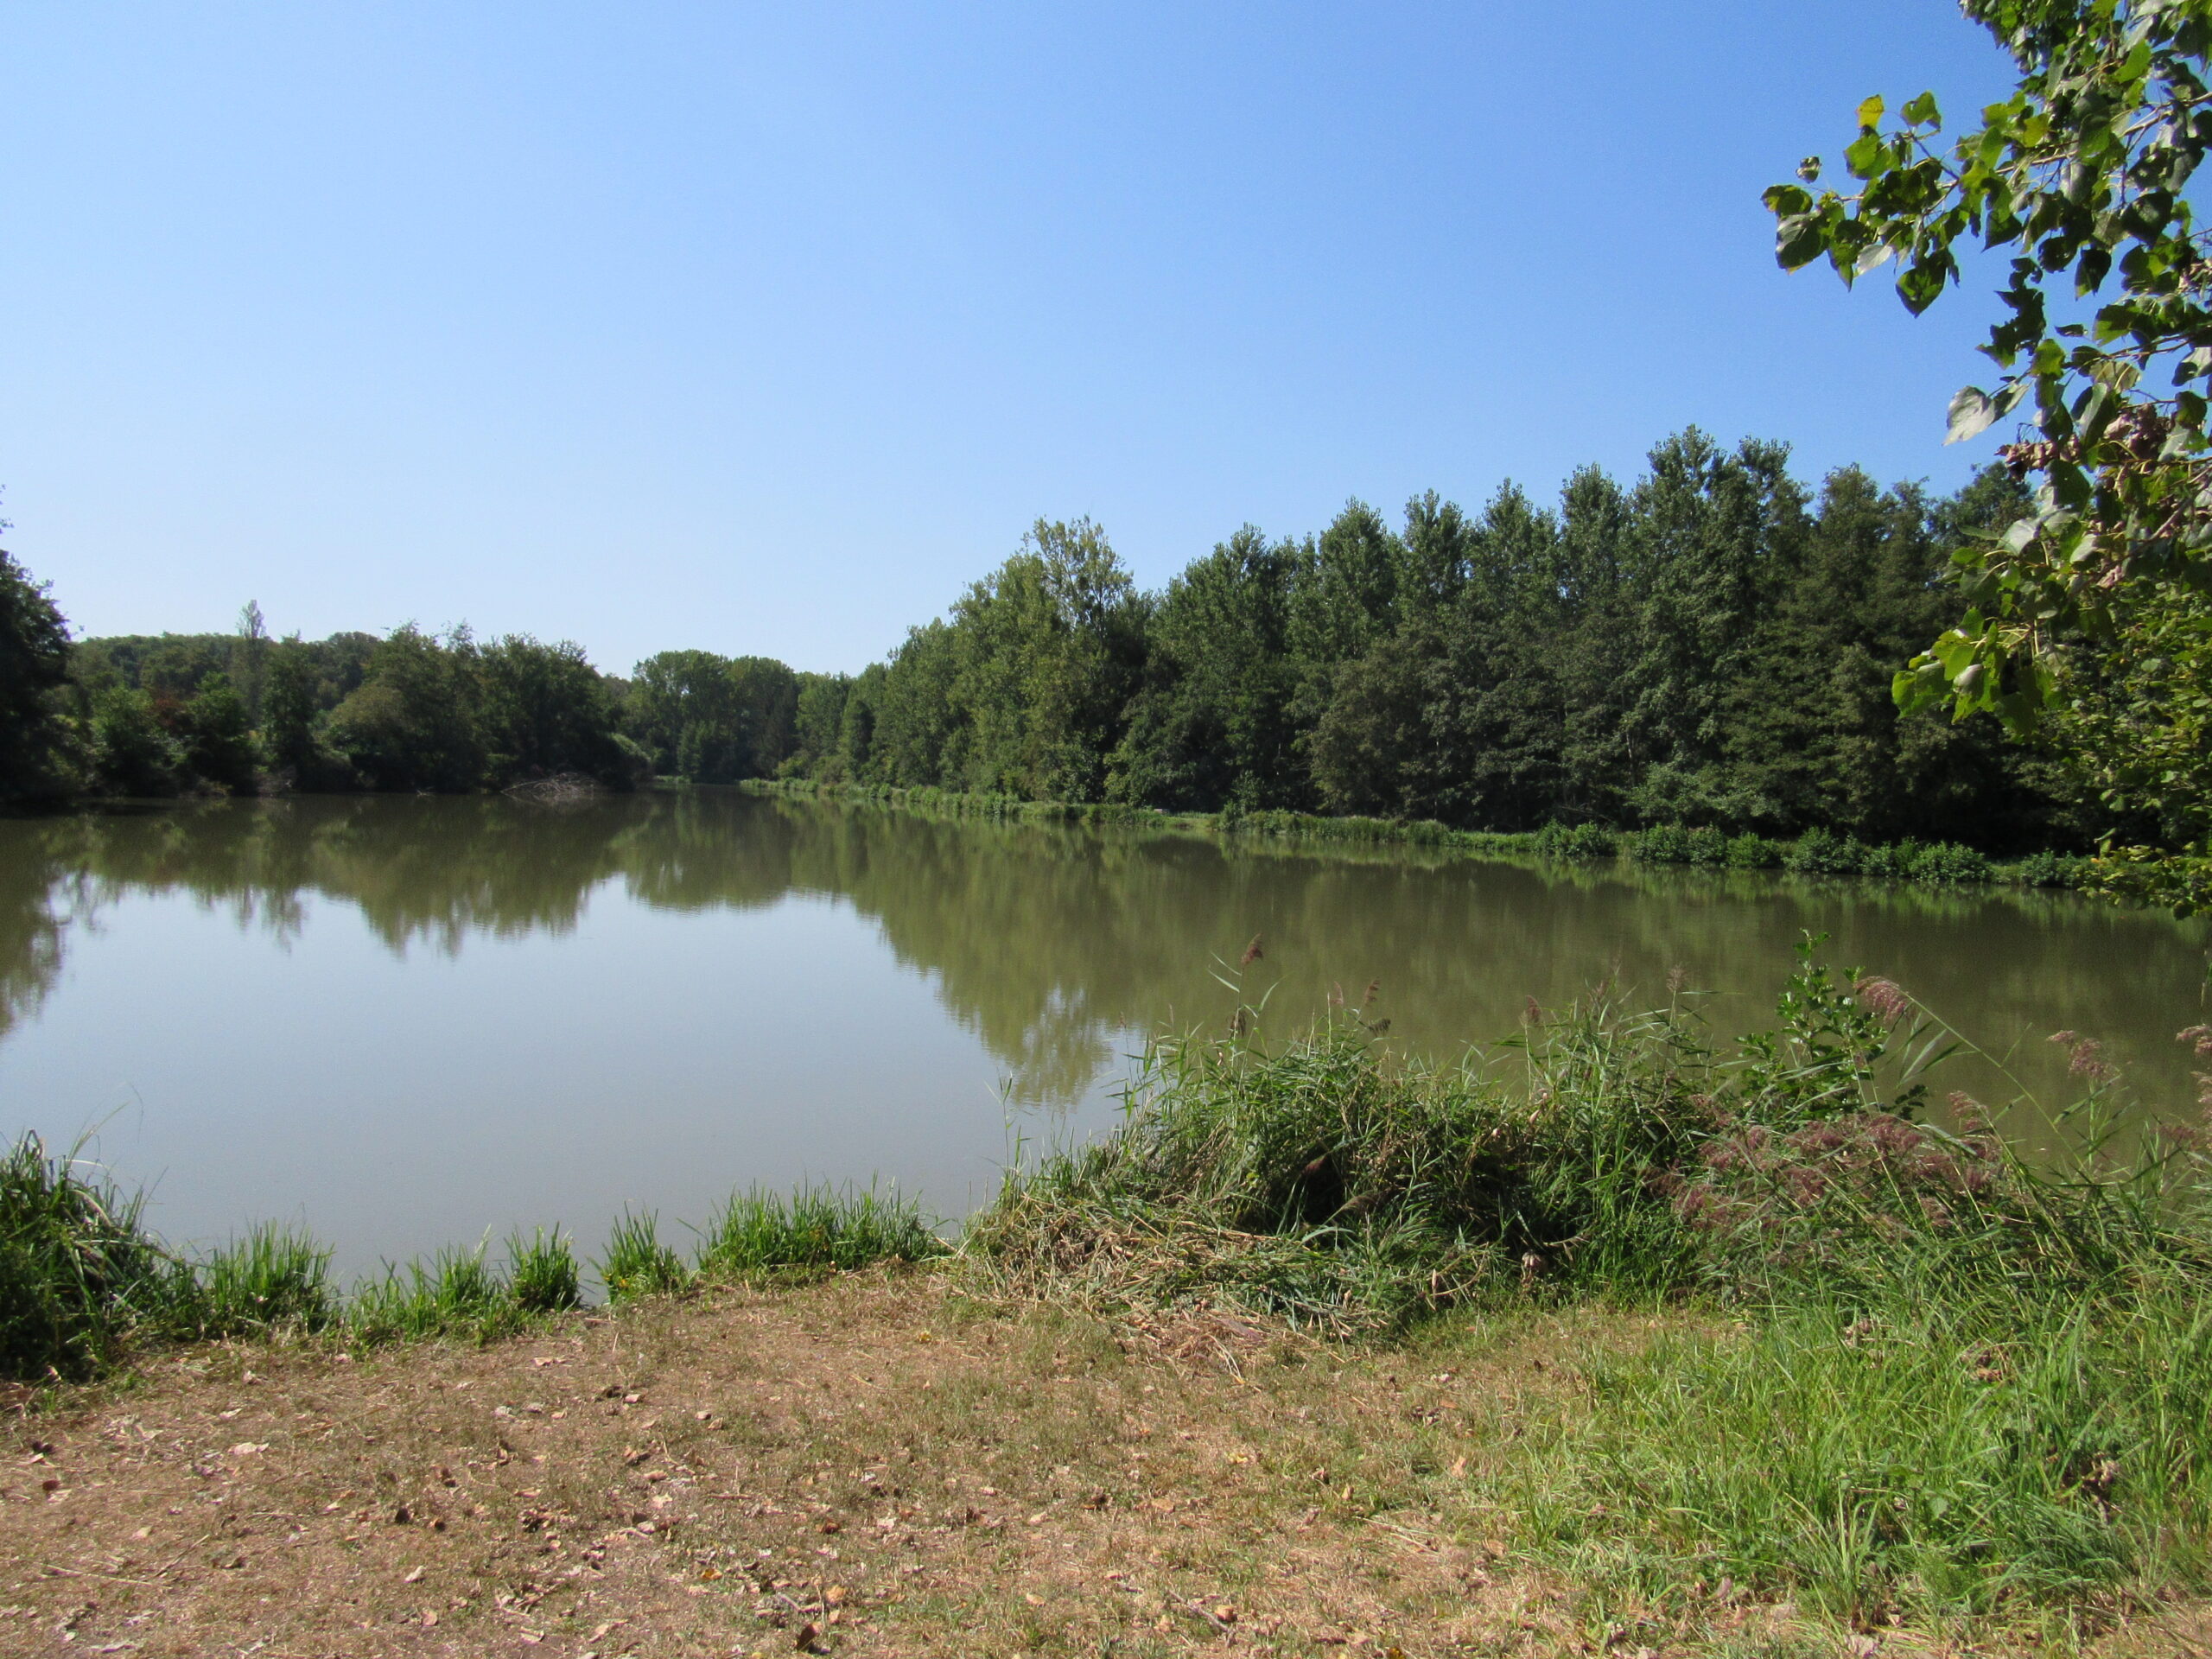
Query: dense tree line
(33, 668)
(712, 720)
(1712, 644)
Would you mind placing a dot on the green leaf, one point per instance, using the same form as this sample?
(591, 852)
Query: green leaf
(1798, 242)
(1870, 112)
(1920, 684)
(2043, 681)
(1954, 651)
(1871, 258)
(1920, 285)
(1972, 412)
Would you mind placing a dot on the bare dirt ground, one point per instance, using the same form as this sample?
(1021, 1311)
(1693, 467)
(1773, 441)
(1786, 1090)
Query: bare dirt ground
(869, 1466)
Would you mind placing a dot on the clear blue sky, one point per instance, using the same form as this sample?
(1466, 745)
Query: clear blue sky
(764, 329)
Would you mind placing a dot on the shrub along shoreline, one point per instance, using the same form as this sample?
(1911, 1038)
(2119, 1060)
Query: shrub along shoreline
(1921, 1376)
(1817, 852)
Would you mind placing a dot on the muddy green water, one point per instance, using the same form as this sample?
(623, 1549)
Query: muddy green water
(405, 1021)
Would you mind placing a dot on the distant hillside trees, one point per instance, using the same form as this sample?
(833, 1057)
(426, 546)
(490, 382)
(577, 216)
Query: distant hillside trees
(449, 714)
(714, 720)
(416, 721)
(546, 711)
(1025, 690)
(1214, 716)
(130, 751)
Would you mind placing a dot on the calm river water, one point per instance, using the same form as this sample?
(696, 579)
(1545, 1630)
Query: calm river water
(404, 1021)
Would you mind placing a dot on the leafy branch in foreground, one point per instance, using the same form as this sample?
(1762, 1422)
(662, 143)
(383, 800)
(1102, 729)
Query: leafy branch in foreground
(2083, 172)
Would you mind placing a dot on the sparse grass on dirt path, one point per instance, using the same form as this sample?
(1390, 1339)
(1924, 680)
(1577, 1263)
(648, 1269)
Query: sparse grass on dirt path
(870, 1465)
(869, 1457)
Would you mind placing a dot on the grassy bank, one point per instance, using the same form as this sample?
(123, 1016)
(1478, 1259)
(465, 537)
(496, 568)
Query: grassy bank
(1936, 1379)
(1817, 852)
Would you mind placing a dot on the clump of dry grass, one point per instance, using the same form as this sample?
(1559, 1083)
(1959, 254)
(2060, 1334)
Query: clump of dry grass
(1349, 1190)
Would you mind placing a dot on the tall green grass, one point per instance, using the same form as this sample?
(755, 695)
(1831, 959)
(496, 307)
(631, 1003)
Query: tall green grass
(542, 1275)
(1352, 1190)
(82, 1281)
(1939, 1457)
(815, 1230)
(1925, 1373)
(459, 1293)
(274, 1280)
(638, 1264)
(818, 1228)
(79, 1275)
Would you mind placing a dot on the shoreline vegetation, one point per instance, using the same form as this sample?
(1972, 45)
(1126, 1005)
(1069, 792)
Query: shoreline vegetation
(1840, 1348)
(1817, 852)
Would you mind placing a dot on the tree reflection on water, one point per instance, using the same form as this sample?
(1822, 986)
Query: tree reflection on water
(1056, 943)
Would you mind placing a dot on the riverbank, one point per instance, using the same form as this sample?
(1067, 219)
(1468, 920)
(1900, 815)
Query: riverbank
(1614, 1335)
(2135, 875)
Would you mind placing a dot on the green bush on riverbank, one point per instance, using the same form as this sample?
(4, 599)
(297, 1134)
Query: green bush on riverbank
(77, 1274)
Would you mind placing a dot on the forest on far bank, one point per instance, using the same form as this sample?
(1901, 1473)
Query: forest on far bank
(1713, 645)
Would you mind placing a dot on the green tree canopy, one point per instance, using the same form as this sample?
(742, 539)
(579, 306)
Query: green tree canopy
(412, 724)
(33, 664)
(2082, 177)
(546, 712)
